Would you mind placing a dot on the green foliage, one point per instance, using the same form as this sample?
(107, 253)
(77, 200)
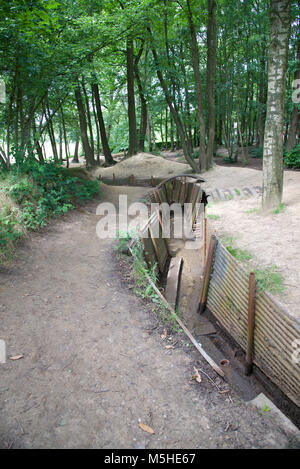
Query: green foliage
(141, 273)
(279, 209)
(292, 158)
(256, 152)
(270, 280)
(123, 237)
(239, 254)
(227, 159)
(41, 191)
(8, 231)
(213, 217)
(252, 210)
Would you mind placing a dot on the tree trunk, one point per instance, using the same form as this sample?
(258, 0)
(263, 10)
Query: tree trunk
(273, 140)
(143, 123)
(106, 150)
(294, 124)
(88, 152)
(76, 155)
(97, 127)
(38, 147)
(174, 113)
(65, 136)
(211, 74)
(89, 120)
(133, 140)
(195, 63)
(51, 131)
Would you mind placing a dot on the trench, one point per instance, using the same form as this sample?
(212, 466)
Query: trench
(207, 330)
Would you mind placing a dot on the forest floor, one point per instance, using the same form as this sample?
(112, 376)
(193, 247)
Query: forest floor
(94, 363)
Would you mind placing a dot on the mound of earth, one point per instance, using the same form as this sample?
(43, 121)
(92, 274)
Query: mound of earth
(143, 167)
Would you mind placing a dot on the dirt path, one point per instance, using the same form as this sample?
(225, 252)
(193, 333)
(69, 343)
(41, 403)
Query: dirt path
(94, 364)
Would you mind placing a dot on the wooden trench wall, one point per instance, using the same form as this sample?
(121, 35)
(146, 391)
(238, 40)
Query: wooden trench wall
(180, 190)
(275, 332)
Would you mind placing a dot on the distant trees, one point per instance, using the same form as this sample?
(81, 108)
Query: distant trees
(134, 76)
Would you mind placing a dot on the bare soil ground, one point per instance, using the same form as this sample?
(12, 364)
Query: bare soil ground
(95, 365)
(220, 158)
(272, 239)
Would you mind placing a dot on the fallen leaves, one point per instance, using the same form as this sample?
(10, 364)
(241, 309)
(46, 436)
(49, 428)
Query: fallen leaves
(146, 428)
(164, 334)
(196, 376)
(16, 357)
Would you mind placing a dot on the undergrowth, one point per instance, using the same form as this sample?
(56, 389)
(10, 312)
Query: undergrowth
(140, 274)
(292, 158)
(239, 254)
(31, 193)
(268, 279)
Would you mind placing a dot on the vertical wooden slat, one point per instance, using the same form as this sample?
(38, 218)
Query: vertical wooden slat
(251, 324)
(206, 276)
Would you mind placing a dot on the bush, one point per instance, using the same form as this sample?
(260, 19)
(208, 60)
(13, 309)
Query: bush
(256, 152)
(41, 191)
(292, 158)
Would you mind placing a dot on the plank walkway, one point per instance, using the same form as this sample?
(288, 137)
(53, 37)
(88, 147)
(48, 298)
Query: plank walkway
(233, 193)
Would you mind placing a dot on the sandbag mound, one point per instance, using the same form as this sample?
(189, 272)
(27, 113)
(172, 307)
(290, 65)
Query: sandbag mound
(141, 169)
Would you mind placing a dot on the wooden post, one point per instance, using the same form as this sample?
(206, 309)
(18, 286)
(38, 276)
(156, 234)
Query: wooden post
(251, 324)
(204, 235)
(206, 275)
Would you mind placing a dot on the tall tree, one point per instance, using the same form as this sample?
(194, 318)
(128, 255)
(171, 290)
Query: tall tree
(106, 150)
(273, 139)
(210, 80)
(133, 139)
(88, 152)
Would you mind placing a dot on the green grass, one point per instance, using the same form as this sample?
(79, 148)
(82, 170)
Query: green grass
(238, 254)
(213, 217)
(252, 210)
(31, 194)
(140, 272)
(281, 207)
(270, 280)
(237, 191)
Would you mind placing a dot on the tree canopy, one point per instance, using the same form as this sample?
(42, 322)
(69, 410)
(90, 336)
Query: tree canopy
(139, 74)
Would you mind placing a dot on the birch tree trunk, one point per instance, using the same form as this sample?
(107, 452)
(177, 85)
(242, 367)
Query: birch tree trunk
(273, 138)
(211, 75)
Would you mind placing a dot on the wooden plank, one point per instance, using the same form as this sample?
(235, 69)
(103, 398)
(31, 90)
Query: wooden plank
(172, 290)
